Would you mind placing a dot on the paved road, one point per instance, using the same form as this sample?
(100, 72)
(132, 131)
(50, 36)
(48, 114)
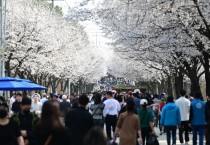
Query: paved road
(162, 138)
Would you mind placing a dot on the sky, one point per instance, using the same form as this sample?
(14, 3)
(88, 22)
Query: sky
(95, 34)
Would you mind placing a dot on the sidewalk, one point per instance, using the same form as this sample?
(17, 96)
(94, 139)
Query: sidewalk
(162, 138)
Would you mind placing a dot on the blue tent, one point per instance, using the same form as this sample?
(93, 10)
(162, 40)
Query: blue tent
(16, 84)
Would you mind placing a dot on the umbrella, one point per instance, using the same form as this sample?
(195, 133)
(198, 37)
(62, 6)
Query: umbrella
(16, 84)
(9, 79)
(33, 86)
(29, 81)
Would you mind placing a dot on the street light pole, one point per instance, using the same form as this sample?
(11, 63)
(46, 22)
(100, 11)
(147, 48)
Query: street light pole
(69, 91)
(2, 35)
(52, 4)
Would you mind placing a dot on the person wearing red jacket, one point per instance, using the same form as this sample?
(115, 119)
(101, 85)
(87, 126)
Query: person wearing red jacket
(162, 104)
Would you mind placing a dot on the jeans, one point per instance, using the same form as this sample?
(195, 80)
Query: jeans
(184, 128)
(164, 130)
(111, 122)
(171, 130)
(198, 129)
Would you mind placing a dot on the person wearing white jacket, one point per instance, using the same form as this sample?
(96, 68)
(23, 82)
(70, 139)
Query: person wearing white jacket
(36, 105)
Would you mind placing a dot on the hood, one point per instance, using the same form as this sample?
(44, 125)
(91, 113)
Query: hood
(171, 105)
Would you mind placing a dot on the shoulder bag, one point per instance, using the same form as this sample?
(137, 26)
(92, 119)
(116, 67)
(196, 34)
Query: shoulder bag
(96, 109)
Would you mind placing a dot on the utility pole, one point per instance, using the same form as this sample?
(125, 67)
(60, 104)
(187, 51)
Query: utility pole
(69, 86)
(2, 35)
(52, 4)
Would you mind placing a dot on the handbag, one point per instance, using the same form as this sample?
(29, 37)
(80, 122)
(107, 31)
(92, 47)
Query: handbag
(48, 140)
(152, 140)
(111, 142)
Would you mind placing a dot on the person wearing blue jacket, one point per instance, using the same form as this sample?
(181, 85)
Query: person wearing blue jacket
(198, 119)
(170, 119)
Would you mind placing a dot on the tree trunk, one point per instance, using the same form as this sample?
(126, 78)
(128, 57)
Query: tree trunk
(179, 83)
(207, 71)
(192, 71)
(169, 86)
(66, 83)
(55, 82)
(195, 86)
(62, 84)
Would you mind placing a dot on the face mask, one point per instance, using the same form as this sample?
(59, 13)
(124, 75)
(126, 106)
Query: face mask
(3, 113)
(26, 112)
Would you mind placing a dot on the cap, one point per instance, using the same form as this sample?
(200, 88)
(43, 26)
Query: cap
(54, 95)
(136, 91)
(64, 97)
(113, 91)
(143, 102)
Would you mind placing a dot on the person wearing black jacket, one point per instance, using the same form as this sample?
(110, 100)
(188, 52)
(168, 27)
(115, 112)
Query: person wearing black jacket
(207, 115)
(79, 121)
(207, 109)
(16, 105)
(26, 119)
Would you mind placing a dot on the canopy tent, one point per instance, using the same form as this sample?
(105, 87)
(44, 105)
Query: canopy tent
(16, 84)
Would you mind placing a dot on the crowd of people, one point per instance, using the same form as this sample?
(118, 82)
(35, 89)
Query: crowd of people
(80, 120)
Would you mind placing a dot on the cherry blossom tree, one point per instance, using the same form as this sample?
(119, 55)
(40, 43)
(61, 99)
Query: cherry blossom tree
(44, 47)
(172, 34)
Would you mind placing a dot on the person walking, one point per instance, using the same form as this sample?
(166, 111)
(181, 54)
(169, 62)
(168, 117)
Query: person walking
(97, 111)
(36, 105)
(197, 118)
(12, 100)
(9, 130)
(207, 134)
(162, 104)
(16, 105)
(207, 109)
(79, 121)
(136, 98)
(128, 125)
(49, 129)
(64, 106)
(95, 136)
(184, 106)
(44, 98)
(146, 121)
(26, 119)
(111, 110)
(170, 119)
